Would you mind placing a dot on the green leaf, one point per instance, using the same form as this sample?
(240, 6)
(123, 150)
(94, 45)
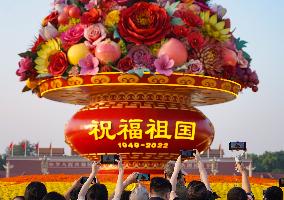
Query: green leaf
(28, 54)
(247, 56)
(240, 44)
(116, 34)
(177, 21)
(139, 71)
(171, 8)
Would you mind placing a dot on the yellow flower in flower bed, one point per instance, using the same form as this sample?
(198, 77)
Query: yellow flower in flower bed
(112, 18)
(214, 28)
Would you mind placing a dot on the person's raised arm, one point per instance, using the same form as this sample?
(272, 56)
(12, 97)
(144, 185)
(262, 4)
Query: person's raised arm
(85, 187)
(174, 177)
(245, 180)
(76, 184)
(202, 171)
(119, 185)
(129, 180)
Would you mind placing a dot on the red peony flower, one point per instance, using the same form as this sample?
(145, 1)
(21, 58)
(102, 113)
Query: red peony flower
(58, 64)
(90, 17)
(180, 31)
(36, 44)
(144, 23)
(125, 64)
(189, 18)
(52, 18)
(195, 39)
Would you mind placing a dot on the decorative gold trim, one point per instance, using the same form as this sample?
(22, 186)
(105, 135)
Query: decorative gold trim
(226, 86)
(100, 79)
(56, 83)
(158, 79)
(128, 78)
(74, 80)
(185, 80)
(209, 83)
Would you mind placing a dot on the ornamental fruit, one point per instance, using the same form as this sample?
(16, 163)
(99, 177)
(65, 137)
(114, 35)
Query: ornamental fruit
(63, 18)
(229, 57)
(175, 50)
(77, 52)
(74, 12)
(108, 52)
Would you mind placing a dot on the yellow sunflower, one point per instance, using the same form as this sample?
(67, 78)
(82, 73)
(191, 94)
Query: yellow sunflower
(214, 28)
(48, 49)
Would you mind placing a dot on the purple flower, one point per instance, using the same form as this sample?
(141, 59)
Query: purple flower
(194, 67)
(89, 65)
(141, 56)
(164, 65)
(26, 70)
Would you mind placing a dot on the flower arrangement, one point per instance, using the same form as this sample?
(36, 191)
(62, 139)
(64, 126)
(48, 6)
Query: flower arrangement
(86, 37)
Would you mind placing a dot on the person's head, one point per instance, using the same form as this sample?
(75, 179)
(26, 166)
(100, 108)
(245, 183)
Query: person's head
(97, 192)
(198, 191)
(273, 193)
(35, 191)
(125, 195)
(160, 187)
(169, 169)
(139, 193)
(237, 193)
(19, 198)
(53, 196)
(74, 193)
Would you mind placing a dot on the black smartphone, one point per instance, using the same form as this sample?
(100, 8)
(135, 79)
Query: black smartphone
(281, 182)
(187, 153)
(109, 159)
(237, 146)
(84, 179)
(143, 177)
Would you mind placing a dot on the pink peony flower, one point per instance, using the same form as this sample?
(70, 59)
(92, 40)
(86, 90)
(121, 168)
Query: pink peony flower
(243, 63)
(141, 56)
(91, 4)
(89, 65)
(164, 65)
(94, 35)
(72, 36)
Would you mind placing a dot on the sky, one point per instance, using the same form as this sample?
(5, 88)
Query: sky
(256, 118)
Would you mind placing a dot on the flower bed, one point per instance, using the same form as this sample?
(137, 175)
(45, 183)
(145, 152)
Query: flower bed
(10, 187)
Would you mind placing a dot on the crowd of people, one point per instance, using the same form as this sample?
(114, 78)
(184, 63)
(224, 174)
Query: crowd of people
(170, 187)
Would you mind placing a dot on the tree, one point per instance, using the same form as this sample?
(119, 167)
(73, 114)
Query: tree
(19, 149)
(268, 162)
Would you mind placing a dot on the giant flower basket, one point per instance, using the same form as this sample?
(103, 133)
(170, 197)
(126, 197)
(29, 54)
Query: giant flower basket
(140, 68)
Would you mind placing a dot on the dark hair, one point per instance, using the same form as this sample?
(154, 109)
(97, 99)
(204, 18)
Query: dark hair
(125, 195)
(237, 193)
(74, 193)
(273, 193)
(19, 197)
(198, 191)
(53, 196)
(160, 186)
(97, 192)
(35, 191)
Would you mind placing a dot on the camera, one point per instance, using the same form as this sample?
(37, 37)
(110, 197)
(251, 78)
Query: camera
(187, 153)
(143, 177)
(109, 159)
(84, 179)
(238, 146)
(281, 182)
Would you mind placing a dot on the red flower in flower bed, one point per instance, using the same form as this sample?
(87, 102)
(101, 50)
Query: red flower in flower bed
(144, 23)
(58, 64)
(125, 64)
(195, 39)
(52, 18)
(38, 42)
(92, 16)
(189, 18)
